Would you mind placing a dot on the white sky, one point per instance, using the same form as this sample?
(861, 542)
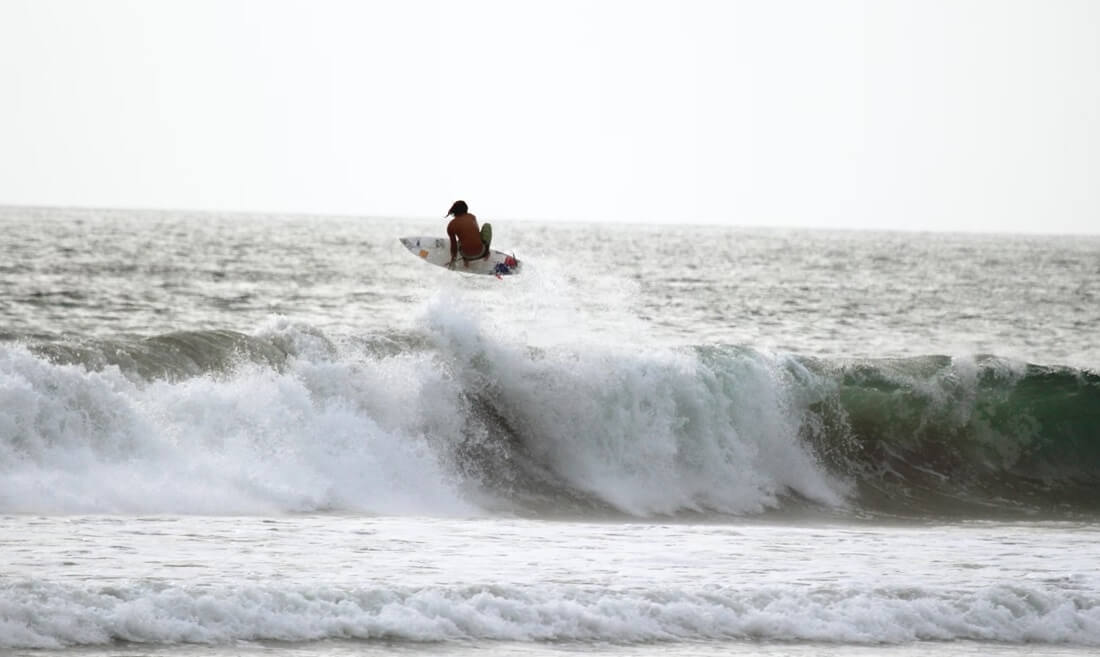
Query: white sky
(924, 114)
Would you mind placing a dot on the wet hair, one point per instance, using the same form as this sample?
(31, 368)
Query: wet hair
(458, 208)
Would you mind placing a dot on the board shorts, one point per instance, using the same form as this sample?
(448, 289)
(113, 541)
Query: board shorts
(486, 240)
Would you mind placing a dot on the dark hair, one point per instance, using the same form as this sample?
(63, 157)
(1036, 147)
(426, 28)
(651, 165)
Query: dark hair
(458, 208)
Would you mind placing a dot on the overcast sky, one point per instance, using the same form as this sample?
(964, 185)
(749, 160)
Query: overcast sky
(960, 115)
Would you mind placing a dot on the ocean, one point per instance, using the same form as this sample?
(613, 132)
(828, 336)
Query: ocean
(234, 434)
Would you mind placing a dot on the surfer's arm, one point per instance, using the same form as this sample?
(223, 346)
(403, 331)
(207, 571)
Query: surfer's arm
(454, 242)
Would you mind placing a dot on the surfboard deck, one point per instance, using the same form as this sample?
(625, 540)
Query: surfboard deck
(437, 251)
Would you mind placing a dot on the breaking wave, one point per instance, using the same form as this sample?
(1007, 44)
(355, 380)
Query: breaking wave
(454, 419)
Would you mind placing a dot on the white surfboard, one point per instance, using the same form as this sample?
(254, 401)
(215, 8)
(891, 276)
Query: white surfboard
(437, 251)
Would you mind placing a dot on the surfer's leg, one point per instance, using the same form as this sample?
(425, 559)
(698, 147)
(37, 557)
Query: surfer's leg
(487, 235)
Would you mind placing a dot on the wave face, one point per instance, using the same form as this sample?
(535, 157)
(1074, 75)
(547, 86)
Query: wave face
(937, 433)
(455, 419)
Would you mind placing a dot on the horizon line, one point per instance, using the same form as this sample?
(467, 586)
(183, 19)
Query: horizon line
(696, 223)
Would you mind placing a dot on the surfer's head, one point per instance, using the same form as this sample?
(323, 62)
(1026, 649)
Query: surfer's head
(458, 208)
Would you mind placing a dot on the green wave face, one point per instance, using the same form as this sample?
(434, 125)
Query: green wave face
(934, 432)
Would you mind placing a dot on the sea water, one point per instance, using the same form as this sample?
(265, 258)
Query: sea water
(245, 434)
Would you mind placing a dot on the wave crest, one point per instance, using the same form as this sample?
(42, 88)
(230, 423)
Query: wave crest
(457, 419)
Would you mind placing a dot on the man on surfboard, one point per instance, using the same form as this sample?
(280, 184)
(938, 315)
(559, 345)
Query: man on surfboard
(465, 235)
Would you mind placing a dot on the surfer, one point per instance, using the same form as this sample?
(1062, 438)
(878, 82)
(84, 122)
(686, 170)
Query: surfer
(465, 235)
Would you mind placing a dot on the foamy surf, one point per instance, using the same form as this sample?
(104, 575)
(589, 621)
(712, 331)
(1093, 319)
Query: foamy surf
(38, 615)
(318, 435)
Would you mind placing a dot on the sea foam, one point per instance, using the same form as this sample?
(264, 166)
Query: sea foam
(321, 434)
(39, 615)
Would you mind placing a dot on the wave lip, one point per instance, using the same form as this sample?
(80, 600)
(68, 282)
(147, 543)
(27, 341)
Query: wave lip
(56, 616)
(171, 356)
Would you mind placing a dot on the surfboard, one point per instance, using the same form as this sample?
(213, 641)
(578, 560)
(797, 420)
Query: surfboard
(437, 251)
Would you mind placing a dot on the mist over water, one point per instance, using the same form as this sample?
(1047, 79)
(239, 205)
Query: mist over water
(307, 376)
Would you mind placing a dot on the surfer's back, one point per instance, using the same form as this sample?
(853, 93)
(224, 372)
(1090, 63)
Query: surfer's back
(464, 227)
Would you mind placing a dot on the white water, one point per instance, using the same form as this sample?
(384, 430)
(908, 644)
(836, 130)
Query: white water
(348, 430)
(321, 435)
(94, 580)
(650, 429)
